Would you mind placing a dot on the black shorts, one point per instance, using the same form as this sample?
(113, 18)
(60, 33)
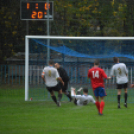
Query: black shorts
(122, 86)
(55, 88)
(64, 87)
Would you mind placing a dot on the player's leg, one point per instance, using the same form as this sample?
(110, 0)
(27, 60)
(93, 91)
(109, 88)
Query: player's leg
(92, 100)
(97, 103)
(102, 104)
(79, 91)
(125, 97)
(73, 95)
(102, 94)
(118, 97)
(119, 87)
(52, 94)
(75, 101)
(65, 91)
(59, 90)
(59, 97)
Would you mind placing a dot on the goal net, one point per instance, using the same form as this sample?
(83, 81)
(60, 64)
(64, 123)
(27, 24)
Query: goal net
(76, 55)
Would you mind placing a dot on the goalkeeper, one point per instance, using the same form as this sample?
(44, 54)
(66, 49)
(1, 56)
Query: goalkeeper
(81, 100)
(63, 74)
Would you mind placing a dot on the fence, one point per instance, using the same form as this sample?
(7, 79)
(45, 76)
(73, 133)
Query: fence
(15, 74)
(12, 74)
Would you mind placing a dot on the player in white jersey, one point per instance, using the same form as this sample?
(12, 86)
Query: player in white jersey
(120, 71)
(50, 76)
(81, 100)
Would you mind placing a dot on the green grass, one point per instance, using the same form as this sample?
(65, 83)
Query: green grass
(43, 117)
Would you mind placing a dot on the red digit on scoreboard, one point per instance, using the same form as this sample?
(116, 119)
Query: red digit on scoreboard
(46, 6)
(28, 5)
(40, 15)
(34, 14)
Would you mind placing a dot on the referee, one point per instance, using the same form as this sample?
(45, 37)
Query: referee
(65, 78)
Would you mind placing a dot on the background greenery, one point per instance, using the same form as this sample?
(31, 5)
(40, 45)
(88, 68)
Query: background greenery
(71, 18)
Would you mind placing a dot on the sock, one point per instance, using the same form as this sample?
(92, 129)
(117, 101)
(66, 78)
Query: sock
(118, 97)
(59, 97)
(75, 101)
(97, 103)
(125, 96)
(54, 99)
(68, 95)
(102, 104)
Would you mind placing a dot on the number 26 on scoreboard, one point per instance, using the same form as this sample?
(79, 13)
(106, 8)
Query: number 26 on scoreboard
(38, 14)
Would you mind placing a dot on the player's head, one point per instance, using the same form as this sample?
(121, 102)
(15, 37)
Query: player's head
(51, 63)
(96, 62)
(115, 59)
(57, 65)
(85, 90)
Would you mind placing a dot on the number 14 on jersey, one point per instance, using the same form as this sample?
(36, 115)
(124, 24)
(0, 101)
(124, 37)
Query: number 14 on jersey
(95, 74)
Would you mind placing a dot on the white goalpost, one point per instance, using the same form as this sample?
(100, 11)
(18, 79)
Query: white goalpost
(81, 60)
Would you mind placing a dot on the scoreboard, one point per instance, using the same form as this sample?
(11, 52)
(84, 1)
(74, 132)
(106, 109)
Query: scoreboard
(33, 10)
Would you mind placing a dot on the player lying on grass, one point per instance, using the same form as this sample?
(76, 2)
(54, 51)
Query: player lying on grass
(97, 75)
(79, 99)
(50, 76)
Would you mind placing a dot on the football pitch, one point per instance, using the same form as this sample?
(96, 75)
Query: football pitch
(44, 117)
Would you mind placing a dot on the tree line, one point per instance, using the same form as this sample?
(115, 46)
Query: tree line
(71, 18)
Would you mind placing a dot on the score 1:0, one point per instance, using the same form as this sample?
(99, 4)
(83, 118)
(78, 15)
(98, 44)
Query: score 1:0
(36, 6)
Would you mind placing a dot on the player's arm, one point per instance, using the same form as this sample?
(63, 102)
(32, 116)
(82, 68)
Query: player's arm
(89, 74)
(126, 70)
(112, 72)
(59, 78)
(42, 76)
(105, 75)
(92, 100)
(132, 85)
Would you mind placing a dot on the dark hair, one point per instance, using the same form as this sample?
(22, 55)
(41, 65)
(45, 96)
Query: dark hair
(96, 62)
(116, 59)
(51, 62)
(85, 90)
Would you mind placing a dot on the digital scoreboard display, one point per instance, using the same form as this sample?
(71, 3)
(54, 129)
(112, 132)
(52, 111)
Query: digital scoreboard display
(36, 10)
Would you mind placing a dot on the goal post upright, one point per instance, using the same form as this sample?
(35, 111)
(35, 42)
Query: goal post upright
(48, 40)
(26, 68)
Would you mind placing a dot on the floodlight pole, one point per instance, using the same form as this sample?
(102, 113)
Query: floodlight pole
(48, 40)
